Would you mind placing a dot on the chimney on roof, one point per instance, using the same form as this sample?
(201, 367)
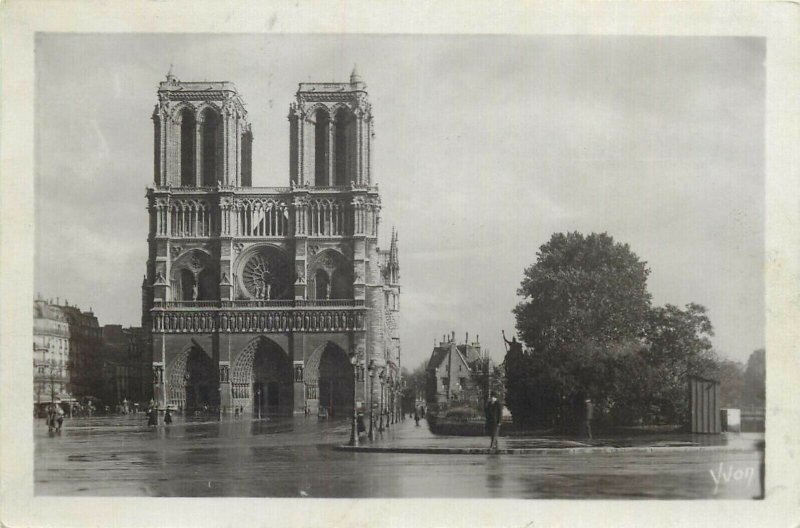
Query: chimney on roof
(478, 338)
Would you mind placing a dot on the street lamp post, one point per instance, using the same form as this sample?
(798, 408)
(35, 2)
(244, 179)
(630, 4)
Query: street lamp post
(389, 397)
(371, 369)
(219, 418)
(382, 377)
(354, 425)
(258, 395)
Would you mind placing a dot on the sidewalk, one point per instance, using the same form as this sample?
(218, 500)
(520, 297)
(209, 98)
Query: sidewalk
(405, 437)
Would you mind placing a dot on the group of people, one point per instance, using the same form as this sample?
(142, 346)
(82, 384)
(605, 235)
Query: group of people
(152, 416)
(55, 418)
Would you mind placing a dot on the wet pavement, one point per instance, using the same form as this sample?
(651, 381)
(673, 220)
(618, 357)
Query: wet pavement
(297, 457)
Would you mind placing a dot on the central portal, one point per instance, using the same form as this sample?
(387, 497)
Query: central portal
(272, 379)
(262, 380)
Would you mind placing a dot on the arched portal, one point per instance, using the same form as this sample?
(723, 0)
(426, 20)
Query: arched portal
(262, 379)
(193, 380)
(329, 372)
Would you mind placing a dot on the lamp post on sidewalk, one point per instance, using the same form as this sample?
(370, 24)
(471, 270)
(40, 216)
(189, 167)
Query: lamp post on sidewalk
(382, 377)
(371, 370)
(354, 426)
(258, 396)
(389, 385)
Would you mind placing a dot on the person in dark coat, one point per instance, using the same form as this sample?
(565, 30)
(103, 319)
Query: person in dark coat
(152, 417)
(494, 415)
(416, 416)
(167, 417)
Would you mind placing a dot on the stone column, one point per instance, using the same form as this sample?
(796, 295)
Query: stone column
(331, 151)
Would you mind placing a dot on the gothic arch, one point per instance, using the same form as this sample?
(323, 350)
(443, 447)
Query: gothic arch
(187, 120)
(263, 366)
(322, 147)
(344, 148)
(191, 268)
(179, 378)
(329, 378)
(311, 112)
(206, 105)
(339, 272)
(176, 112)
(211, 128)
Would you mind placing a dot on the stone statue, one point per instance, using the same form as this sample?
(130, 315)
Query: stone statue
(194, 291)
(268, 291)
(513, 345)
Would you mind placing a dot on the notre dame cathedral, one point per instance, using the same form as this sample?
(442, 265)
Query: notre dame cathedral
(270, 300)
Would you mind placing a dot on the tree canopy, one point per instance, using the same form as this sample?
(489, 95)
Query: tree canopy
(582, 288)
(591, 331)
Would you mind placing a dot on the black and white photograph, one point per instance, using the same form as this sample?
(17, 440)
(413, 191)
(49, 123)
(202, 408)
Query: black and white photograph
(389, 265)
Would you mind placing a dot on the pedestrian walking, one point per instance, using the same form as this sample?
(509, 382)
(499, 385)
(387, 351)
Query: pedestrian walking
(51, 419)
(494, 415)
(167, 417)
(59, 418)
(416, 416)
(152, 417)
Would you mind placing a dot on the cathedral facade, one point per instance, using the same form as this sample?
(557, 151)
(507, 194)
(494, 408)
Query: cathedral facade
(268, 300)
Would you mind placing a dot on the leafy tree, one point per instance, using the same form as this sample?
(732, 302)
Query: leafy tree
(585, 306)
(415, 386)
(485, 377)
(731, 381)
(755, 377)
(679, 345)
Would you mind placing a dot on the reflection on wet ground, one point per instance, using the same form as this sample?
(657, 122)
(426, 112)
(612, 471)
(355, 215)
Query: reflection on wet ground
(294, 457)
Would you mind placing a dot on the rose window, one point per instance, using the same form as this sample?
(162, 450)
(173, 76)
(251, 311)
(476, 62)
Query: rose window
(267, 275)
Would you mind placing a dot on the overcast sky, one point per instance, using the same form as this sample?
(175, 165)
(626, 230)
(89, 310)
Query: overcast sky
(484, 147)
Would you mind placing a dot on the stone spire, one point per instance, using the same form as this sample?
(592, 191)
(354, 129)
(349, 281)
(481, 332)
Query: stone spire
(355, 77)
(394, 260)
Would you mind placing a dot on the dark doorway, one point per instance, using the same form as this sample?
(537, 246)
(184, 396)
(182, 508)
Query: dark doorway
(335, 381)
(202, 381)
(258, 398)
(272, 379)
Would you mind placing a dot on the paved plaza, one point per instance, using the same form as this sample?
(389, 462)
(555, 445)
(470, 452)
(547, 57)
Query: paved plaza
(302, 457)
